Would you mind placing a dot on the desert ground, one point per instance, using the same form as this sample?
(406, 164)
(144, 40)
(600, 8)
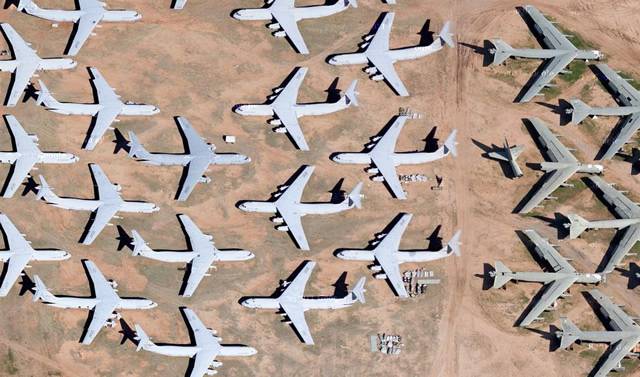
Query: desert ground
(199, 63)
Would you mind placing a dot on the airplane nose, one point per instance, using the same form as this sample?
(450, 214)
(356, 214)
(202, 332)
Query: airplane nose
(247, 303)
(237, 15)
(153, 304)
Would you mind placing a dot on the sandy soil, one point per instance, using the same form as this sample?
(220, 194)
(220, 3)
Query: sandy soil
(196, 63)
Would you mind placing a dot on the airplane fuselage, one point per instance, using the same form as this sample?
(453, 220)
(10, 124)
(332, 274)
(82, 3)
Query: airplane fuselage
(581, 168)
(36, 255)
(301, 209)
(402, 158)
(299, 13)
(548, 277)
(308, 303)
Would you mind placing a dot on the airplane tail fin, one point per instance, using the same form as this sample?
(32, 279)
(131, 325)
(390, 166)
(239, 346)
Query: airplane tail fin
(569, 333)
(353, 3)
(26, 4)
(579, 111)
(501, 275)
(135, 148)
(358, 291)
(577, 225)
(446, 36)
(450, 144)
(501, 51)
(45, 97)
(142, 338)
(355, 196)
(41, 291)
(351, 95)
(453, 246)
(138, 243)
(45, 191)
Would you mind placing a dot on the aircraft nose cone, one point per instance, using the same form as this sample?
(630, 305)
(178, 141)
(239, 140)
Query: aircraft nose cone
(251, 351)
(153, 304)
(247, 303)
(237, 15)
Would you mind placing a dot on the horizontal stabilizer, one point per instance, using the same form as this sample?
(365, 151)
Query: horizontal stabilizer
(570, 333)
(501, 275)
(451, 143)
(501, 51)
(359, 290)
(579, 111)
(577, 225)
(445, 34)
(355, 197)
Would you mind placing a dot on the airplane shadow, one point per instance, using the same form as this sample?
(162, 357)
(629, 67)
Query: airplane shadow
(554, 341)
(487, 280)
(30, 185)
(121, 142)
(559, 109)
(557, 222)
(9, 3)
(633, 274)
(124, 240)
(484, 50)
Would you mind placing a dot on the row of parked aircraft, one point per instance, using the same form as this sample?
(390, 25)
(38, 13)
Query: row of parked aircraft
(558, 274)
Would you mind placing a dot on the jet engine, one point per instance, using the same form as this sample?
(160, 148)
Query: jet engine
(277, 220)
(372, 170)
(204, 179)
(113, 284)
(380, 276)
(274, 26)
(280, 130)
(280, 34)
(371, 70)
(216, 364)
(282, 228)
(211, 372)
(275, 122)
(377, 178)
(378, 77)
(375, 268)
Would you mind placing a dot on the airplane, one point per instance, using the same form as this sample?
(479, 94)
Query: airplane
(561, 167)
(626, 96)
(285, 110)
(197, 159)
(86, 18)
(286, 15)
(387, 257)
(557, 52)
(381, 156)
(104, 301)
(375, 52)
(179, 4)
(106, 111)
(107, 203)
(19, 253)
(291, 302)
(509, 154)
(26, 156)
(200, 256)
(623, 335)
(627, 223)
(25, 63)
(288, 209)
(557, 280)
(203, 350)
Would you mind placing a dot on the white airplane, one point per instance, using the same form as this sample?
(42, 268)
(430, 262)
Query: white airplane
(104, 301)
(285, 110)
(199, 156)
(388, 257)
(292, 303)
(106, 111)
(86, 18)
(179, 4)
(286, 15)
(19, 253)
(286, 203)
(381, 156)
(104, 207)
(204, 350)
(26, 156)
(25, 63)
(200, 256)
(375, 52)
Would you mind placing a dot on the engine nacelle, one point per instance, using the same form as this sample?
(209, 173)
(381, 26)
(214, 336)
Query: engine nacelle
(272, 97)
(204, 179)
(378, 77)
(367, 37)
(34, 138)
(371, 70)
(117, 187)
(372, 170)
(113, 284)
(275, 122)
(110, 323)
(376, 138)
(280, 34)
(211, 372)
(274, 26)
(277, 220)
(380, 236)
(277, 90)
(282, 228)
(216, 364)
(375, 268)
(380, 276)
(214, 332)
(377, 178)
(280, 130)
(364, 44)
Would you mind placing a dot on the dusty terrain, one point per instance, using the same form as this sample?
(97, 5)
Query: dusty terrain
(198, 63)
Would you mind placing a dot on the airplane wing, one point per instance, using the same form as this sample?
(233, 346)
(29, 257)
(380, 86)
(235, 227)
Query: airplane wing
(552, 181)
(201, 333)
(195, 170)
(380, 40)
(104, 120)
(289, 25)
(14, 268)
(202, 360)
(106, 189)
(621, 205)
(24, 143)
(284, 104)
(199, 267)
(179, 4)
(551, 68)
(101, 285)
(294, 223)
(614, 356)
(385, 253)
(384, 64)
(101, 313)
(549, 253)
(21, 168)
(622, 134)
(14, 238)
(295, 312)
(102, 216)
(24, 164)
(293, 194)
(87, 22)
(103, 90)
(553, 148)
(382, 153)
(623, 92)
(196, 144)
(630, 236)
(295, 288)
(290, 121)
(551, 293)
(22, 75)
(552, 37)
(618, 319)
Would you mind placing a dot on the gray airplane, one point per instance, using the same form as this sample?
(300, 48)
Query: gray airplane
(25, 64)
(628, 222)
(26, 156)
(558, 52)
(623, 335)
(290, 301)
(286, 204)
(86, 18)
(380, 155)
(562, 166)
(19, 253)
(375, 52)
(387, 256)
(285, 16)
(106, 111)
(629, 99)
(285, 110)
(104, 301)
(200, 255)
(197, 159)
(203, 350)
(509, 154)
(557, 280)
(107, 203)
